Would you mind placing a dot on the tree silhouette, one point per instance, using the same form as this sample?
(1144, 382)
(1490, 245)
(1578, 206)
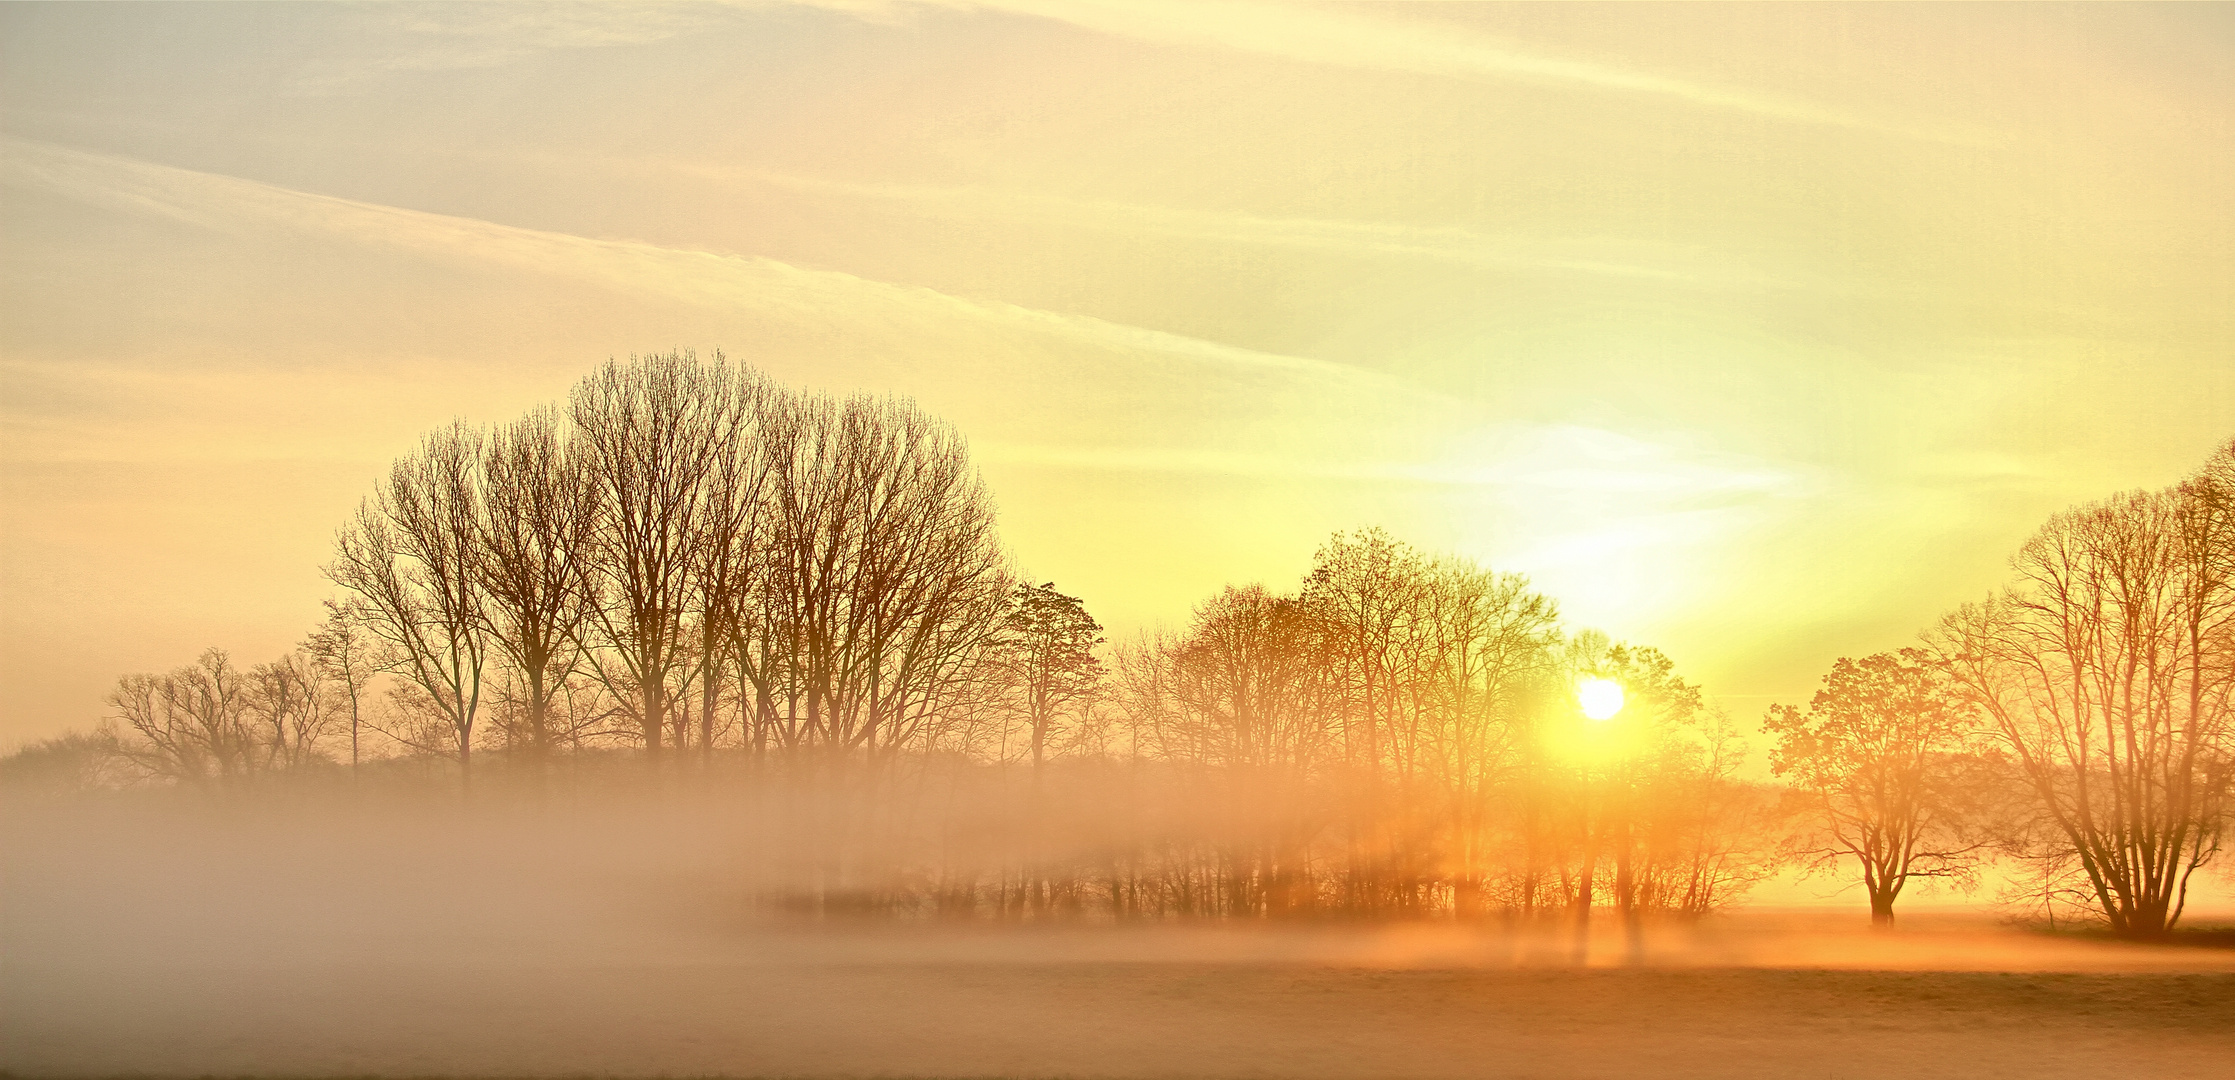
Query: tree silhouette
(531, 564)
(2107, 672)
(190, 725)
(413, 558)
(1048, 642)
(1878, 758)
(649, 433)
(346, 654)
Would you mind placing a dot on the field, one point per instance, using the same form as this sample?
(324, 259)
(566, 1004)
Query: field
(153, 941)
(1417, 1003)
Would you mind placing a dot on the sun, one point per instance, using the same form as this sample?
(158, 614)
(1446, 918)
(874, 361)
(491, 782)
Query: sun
(1600, 698)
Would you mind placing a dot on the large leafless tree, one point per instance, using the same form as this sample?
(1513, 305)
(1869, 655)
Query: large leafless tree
(2106, 670)
(882, 585)
(649, 434)
(413, 557)
(539, 515)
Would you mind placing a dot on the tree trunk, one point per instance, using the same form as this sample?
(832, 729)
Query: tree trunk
(654, 719)
(1583, 899)
(1882, 909)
(1625, 895)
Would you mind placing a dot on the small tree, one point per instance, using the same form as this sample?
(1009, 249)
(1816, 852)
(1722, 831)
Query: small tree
(293, 706)
(1048, 640)
(1044, 663)
(1878, 759)
(349, 656)
(190, 725)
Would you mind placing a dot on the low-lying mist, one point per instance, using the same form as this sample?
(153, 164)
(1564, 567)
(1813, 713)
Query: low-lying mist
(638, 870)
(629, 927)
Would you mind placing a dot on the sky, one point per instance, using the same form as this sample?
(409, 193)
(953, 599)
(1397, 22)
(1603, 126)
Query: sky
(1759, 334)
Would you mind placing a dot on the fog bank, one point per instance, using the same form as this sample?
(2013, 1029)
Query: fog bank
(630, 933)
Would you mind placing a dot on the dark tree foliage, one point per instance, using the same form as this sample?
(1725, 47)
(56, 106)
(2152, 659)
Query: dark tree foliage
(1048, 644)
(1878, 758)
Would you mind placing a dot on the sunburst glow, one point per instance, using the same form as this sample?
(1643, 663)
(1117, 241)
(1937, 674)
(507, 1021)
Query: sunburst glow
(1600, 698)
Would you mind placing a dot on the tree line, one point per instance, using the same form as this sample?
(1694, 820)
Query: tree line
(686, 570)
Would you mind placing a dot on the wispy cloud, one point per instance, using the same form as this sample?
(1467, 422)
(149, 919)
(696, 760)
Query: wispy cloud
(1570, 461)
(1360, 39)
(1451, 245)
(1243, 412)
(440, 37)
(710, 277)
(1007, 370)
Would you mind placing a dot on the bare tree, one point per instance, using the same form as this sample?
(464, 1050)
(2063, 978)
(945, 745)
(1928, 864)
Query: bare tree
(725, 573)
(1707, 835)
(294, 706)
(1243, 706)
(1047, 645)
(1879, 758)
(1364, 589)
(2106, 671)
(530, 557)
(649, 435)
(348, 655)
(190, 725)
(883, 582)
(1485, 660)
(412, 556)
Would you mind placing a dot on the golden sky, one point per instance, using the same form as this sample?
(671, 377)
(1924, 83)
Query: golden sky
(1759, 334)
